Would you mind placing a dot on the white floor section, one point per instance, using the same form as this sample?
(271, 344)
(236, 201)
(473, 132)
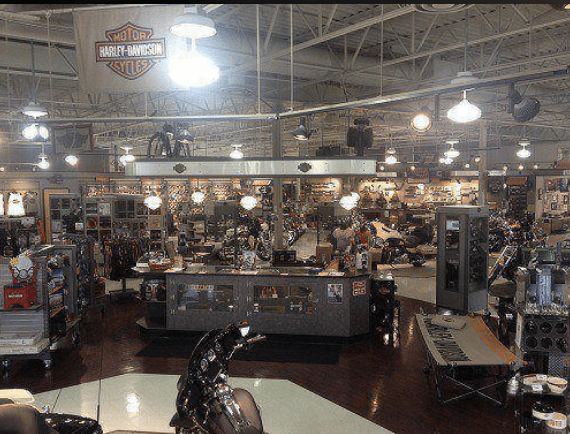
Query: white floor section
(144, 402)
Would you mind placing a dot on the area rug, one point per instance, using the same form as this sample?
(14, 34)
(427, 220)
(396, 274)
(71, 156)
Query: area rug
(271, 350)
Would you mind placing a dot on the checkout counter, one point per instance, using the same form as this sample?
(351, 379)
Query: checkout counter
(284, 300)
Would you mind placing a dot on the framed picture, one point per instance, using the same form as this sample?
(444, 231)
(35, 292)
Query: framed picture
(76, 139)
(334, 292)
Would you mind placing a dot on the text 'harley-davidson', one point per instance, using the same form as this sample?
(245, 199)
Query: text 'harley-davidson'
(205, 402)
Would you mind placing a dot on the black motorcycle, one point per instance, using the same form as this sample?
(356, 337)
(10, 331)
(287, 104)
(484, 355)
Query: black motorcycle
(206, 403)
(16, 418)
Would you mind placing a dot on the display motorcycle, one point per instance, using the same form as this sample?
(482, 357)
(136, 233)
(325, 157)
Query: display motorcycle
(20, 418)
(206, 403)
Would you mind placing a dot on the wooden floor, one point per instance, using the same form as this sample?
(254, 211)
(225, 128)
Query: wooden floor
(383, 383)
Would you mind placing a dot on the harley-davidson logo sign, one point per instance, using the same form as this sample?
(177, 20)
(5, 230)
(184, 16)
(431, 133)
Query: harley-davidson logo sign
(130, 51)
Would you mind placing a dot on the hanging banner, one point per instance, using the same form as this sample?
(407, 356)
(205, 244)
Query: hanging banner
(128, 49)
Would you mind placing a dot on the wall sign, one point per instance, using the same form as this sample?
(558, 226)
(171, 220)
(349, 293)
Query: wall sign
(123, 50)
(334, 291)
(359, 288)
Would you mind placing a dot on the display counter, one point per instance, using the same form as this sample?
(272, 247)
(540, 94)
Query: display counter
(285, 300)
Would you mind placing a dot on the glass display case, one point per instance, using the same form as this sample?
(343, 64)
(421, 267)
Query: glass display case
(210, 297)
(283, 299)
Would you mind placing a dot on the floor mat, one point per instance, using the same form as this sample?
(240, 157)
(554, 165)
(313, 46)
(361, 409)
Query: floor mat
(268, 351)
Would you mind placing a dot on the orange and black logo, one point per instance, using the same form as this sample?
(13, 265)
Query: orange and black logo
(130, 50)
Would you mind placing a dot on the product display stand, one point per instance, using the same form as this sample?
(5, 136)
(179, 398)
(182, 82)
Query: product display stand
(46, 313)
(534, 388)
(462, 352)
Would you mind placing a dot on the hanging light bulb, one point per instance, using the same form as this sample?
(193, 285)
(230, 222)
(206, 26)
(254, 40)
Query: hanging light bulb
(452, 152)
(521, 167)
(464, 112)
(505, 168)
(153, 201)
(467, 165)
(191, 69)
(44, 162)
(198, 197)
(248, 202)
(477, 159)
(412, 168)
(72, 160)
(447, 160)
(523, 152)
(391, 157)
(236, 153)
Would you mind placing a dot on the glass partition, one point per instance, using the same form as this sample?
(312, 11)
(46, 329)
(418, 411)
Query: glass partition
(282, 299)
(218, 298)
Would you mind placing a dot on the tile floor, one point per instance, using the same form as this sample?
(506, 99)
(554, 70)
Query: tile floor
(144, 402)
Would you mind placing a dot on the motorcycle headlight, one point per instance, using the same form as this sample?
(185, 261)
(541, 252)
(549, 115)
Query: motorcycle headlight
(244, 328)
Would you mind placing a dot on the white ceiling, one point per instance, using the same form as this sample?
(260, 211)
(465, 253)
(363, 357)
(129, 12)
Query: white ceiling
(381, 61)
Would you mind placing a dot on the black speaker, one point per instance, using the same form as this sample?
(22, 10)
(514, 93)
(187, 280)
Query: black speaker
(543, 333)
(361, 135)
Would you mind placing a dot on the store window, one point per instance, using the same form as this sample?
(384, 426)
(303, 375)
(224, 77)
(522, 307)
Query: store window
(213, 298)
(282, 299)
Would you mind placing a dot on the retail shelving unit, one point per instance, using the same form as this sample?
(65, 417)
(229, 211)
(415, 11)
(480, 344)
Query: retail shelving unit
(31, 332)
(64, 213)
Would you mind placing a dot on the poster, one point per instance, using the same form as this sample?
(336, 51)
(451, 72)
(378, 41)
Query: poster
(359, 288)
(334, 291)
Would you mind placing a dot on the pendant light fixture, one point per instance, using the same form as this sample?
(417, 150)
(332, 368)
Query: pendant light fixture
(192, 69)
(44, 162)
(72, 160)
(198, 197)
(524, 152)
(236, 153)
(193, 25)
(464, 112)
(248, 201)
(348, 202)
(391, 157)
(303, 131)
(36, 132)
(452, 152)
(33, 109)
(153, 200)
(126, 158)
(421, 122)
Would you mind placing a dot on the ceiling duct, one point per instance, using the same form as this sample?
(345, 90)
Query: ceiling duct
(523, 109)
(437, 8)
(360, 136)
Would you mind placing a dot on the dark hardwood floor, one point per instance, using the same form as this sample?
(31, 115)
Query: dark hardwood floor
(383, 383)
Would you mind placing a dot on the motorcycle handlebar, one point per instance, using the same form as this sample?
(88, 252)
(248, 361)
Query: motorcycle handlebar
(255, 339)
